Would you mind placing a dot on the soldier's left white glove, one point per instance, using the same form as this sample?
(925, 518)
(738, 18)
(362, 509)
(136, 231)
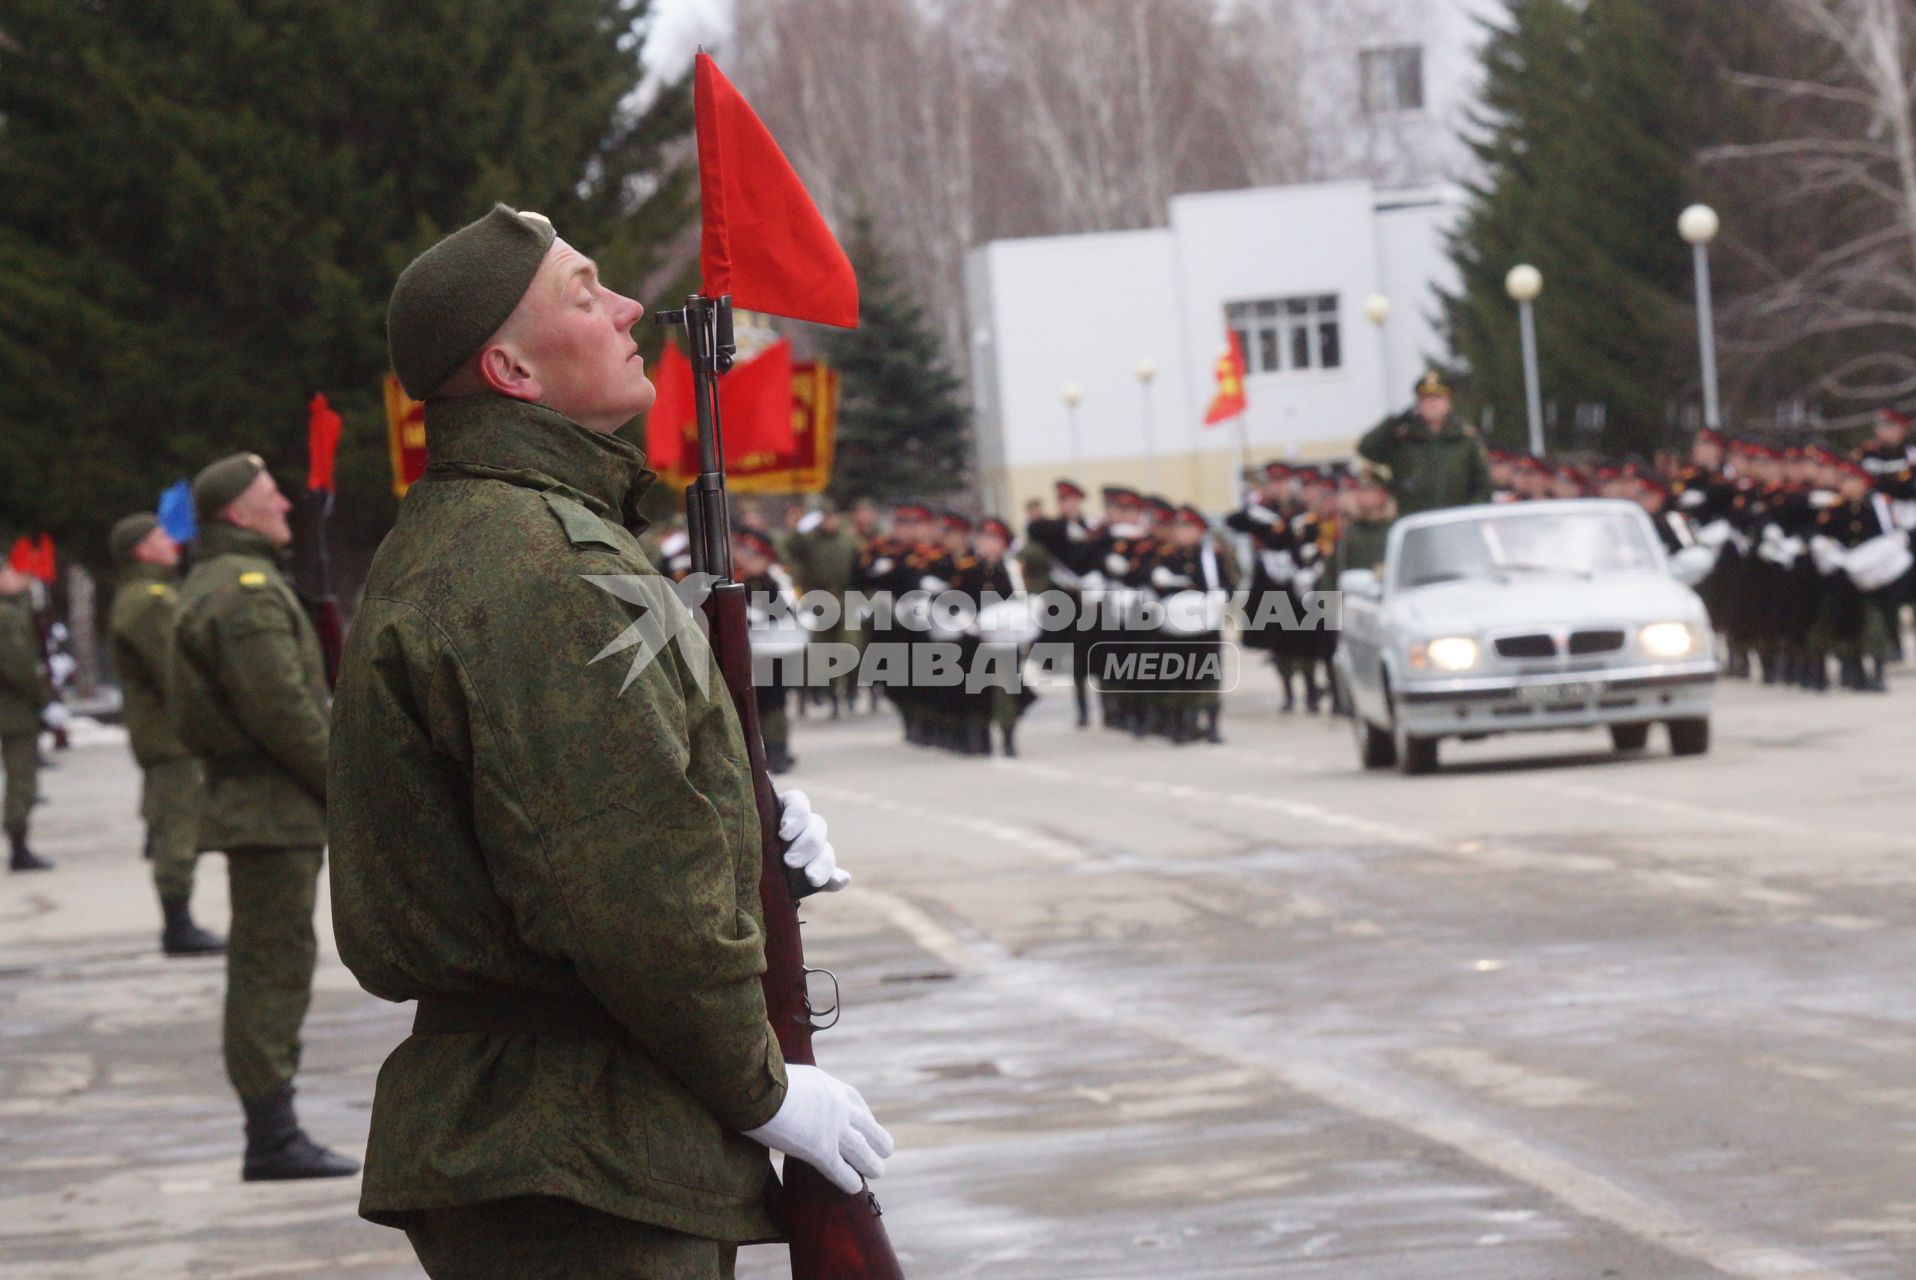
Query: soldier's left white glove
(56, 716)
(808, 850)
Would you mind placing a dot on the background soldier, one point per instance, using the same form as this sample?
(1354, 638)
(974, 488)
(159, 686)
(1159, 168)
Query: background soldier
(140, 636)
(821, 554)
(1432, 460)
(25, 695)
(558, 857)
(246, 689)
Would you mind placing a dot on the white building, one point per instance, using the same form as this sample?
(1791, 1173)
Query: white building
(1289, 268)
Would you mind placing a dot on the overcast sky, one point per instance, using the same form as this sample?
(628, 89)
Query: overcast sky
(681, 25)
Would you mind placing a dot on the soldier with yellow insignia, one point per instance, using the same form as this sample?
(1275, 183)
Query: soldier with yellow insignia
(25, 695)
(140, 637)
(246, 690)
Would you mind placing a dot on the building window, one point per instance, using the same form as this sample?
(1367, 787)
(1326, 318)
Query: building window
(1287, 335)
(1393, 79)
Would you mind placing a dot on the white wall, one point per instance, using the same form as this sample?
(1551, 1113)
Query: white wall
(1277, 242)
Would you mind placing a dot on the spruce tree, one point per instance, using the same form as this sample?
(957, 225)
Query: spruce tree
(1583, 172)
(903, 426)
(204, 205)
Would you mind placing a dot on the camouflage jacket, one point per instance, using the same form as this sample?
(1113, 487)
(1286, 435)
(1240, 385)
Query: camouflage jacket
(246, 692)
(140, 636)
(24, 691)
(510, 816)
(1429, 469)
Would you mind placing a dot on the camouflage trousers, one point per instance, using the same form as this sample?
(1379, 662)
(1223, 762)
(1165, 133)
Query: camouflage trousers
(543, 1238)
(170, 807)
(20, 753)
(270, 951)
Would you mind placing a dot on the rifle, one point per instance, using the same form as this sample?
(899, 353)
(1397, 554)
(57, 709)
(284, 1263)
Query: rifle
(832, 1236)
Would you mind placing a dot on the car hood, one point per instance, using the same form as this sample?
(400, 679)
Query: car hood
(1544, 600)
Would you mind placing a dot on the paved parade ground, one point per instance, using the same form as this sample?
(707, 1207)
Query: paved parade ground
(1135, 1010)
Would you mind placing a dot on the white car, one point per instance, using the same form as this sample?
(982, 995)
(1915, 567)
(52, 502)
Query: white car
(1523, 617)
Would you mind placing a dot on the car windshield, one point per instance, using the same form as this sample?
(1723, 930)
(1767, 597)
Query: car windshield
(1506, 546)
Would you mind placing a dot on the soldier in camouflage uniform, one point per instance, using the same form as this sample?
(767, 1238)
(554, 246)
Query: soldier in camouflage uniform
(24, 696)
(557, 857)
(140, 636)
(246, 690)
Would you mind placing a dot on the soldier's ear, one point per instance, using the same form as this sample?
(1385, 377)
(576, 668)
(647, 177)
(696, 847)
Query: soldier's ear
(504, 372)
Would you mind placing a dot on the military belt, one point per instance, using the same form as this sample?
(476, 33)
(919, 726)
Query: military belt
(513, 1013)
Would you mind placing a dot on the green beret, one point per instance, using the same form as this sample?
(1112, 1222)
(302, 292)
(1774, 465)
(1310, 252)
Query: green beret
(130, 533)
(215, 488)
(456, 294)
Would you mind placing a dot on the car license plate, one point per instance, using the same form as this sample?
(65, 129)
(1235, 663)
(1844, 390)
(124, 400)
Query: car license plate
(1576, 691)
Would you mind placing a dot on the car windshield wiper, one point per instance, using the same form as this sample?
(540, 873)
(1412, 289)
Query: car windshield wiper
(1543, 568)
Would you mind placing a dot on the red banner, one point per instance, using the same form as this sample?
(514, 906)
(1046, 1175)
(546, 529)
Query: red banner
(405, 436)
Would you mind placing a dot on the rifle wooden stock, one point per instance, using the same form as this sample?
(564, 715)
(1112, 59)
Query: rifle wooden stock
(832, 1236)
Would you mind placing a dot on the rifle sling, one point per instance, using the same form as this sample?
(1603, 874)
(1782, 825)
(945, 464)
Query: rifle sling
(514, 1013)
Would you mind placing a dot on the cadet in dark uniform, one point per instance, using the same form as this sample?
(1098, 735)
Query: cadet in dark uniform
(1191, 579)
(1069, 546)
(140, 636)
(1431, 459)
(821, 554)
(1855, 620)
(987, 578)
(557, 857)
(756, 565)
(246, 690)
(1265, 520)
(25, 694)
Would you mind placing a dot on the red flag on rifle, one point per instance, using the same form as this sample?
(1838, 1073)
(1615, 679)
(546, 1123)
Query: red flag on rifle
(763, 240)
(1229, 400)
(35, 559)
(322, 442)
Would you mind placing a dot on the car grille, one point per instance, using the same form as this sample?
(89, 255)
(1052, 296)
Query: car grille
(1539, 645)
(1585, 642)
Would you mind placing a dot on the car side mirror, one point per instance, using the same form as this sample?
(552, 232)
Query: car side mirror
(1361, 583)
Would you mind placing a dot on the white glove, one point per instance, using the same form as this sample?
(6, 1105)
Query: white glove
(1690, 499)
(1164, 579)
(824, 1122)
(1116, 565)
(56, 716)
(808, 850)
(882, 565)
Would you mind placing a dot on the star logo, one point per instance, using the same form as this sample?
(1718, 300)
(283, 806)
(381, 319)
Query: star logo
(665, 615)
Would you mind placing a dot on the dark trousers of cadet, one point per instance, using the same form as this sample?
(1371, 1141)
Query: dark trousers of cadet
(170, 807)
(544, 1238)
(269, 965)
(20, 755)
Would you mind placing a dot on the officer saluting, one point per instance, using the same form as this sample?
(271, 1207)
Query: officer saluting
(1431, 459)
(557, 857)
(246, 689)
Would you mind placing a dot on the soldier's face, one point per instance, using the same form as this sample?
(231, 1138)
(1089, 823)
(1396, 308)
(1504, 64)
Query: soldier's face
(158, 548)
(573, 336)
(262, 508)
(989, 546)
(12, 581)
(1433, 410)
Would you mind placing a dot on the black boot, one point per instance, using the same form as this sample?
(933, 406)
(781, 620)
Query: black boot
(1290, 695)
(181, 937)
(25, 859)
(1010, 735)
(1873, 680)
(1849, 673)
(278, 1150)
(1211, 733)
(1084, 708)
(1311, 695)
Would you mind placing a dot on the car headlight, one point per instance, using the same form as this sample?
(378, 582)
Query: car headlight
(1445, 653)
(1667, 639)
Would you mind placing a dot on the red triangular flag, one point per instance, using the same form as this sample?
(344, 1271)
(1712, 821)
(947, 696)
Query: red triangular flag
(756, 401)
(672, 408)
(44, 566)
(21, 558)
(1229, 400)
(763, 240)
(322, 443)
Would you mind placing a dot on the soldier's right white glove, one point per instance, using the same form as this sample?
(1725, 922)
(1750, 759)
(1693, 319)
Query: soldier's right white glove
(56, 716)
(824, 1122)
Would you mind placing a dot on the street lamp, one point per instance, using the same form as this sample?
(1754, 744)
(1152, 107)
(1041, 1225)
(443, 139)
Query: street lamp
(1523, 284)
(1698, 225)
(1072, 395)
(1147, 373)
(1377, 311)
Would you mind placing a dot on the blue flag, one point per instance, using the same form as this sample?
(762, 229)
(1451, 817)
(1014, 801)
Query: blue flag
(176, 512)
